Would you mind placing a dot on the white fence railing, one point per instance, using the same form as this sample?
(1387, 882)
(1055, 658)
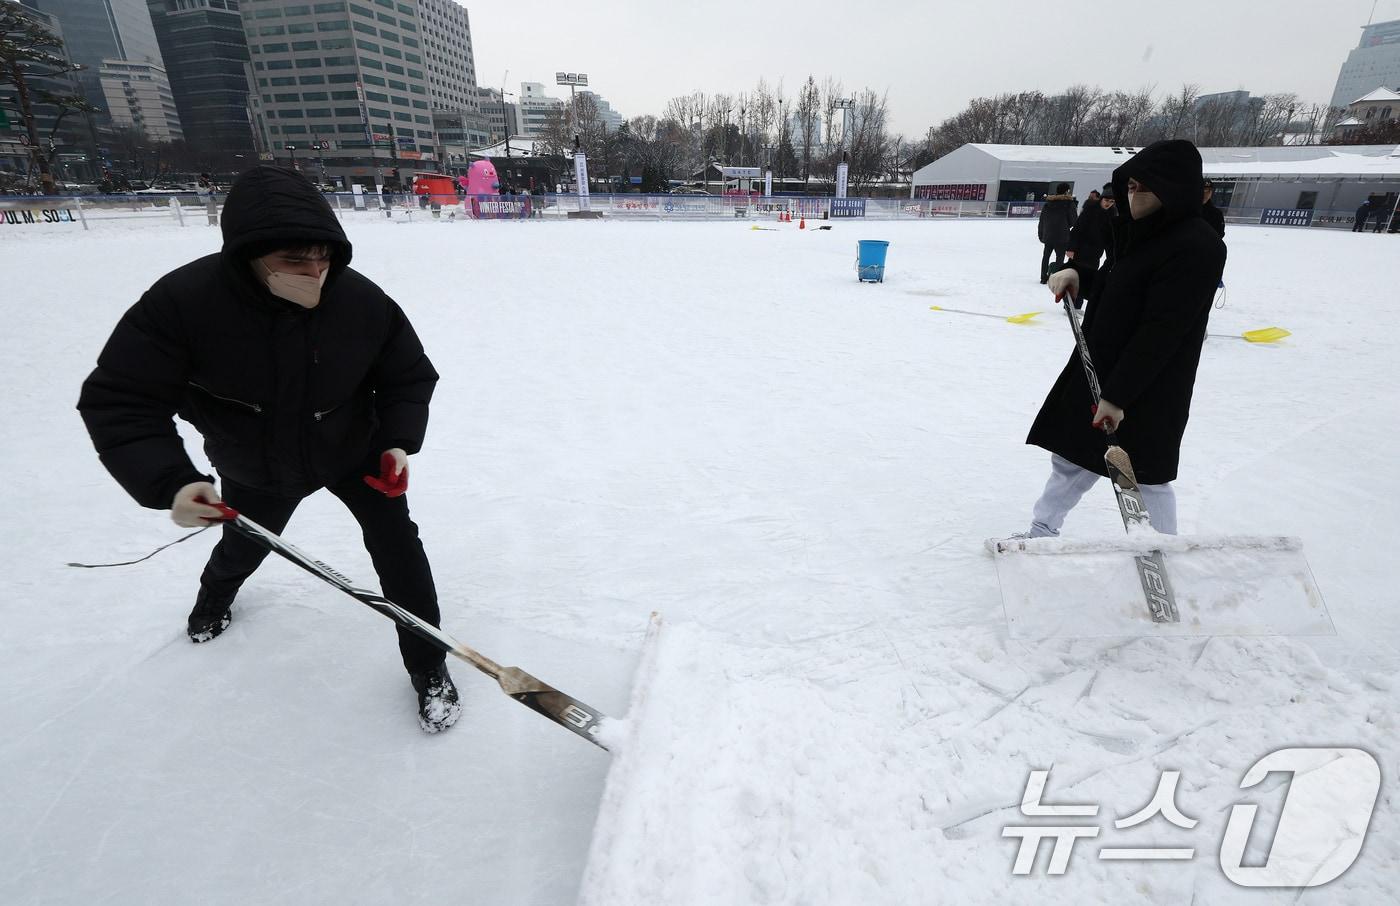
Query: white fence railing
(190, 210)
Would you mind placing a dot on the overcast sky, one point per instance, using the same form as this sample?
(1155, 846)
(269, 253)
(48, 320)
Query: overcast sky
(932, 57)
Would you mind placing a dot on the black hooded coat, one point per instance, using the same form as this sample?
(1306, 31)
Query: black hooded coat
(1057, 218)
(1145, 325)
(288, 399)
(1092, 233)
(1215, 217)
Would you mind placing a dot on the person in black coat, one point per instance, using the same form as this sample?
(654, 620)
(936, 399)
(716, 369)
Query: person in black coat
(1145, 326)
(1363, 214)
(1209, 212)
(1091, 237)
(1057, 218)
(1383, 211)
(300, 374)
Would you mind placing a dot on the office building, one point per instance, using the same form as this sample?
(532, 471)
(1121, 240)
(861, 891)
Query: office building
(342, 87)
(95, 31)
(502, 116)
(1373, 63)
(138, 97)
(537, 109)
(610, 118)
(206, 59)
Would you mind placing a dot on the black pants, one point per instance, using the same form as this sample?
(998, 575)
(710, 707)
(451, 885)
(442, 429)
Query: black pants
(1045, 260)
(391, 538)
(1359, 225)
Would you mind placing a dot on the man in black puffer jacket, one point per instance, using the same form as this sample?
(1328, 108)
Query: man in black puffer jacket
(300, 374)
(1145, 326)
(1057, 218)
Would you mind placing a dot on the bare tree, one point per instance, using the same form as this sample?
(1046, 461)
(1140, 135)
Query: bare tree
(1176, 112)
(869, 139)
(29, 51)
(807, 122)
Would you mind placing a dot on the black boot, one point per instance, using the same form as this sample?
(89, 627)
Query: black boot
(210, 616)
(438, 707)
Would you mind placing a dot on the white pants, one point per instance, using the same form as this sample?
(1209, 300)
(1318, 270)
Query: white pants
(1068, 483)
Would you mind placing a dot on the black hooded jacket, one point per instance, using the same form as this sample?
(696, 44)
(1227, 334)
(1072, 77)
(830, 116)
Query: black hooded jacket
(1092, 234)
(288, 399)
(1145, 324)
(1057, 218)
(1215, 217)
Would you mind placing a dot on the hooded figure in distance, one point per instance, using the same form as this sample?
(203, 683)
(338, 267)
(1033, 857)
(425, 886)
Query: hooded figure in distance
(1145, 326)
(1057, 218)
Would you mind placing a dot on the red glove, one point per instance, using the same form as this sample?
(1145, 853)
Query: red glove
(393, 473)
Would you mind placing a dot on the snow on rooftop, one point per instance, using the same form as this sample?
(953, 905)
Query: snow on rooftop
(1059, 154)
(1380, 94)
(1330, 163)
(1290, 160)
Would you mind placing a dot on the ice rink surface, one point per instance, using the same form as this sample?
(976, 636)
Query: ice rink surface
(798, 472)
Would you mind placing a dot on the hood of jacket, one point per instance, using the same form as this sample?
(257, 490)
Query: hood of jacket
(1049, 198)
(273, 204)
(1171, 170)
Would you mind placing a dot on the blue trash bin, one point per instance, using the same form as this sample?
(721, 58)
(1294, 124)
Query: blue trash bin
(870, 260)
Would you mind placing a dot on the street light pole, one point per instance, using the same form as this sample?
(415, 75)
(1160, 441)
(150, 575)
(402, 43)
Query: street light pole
(573, 80)
(320, 155)
(394, 155)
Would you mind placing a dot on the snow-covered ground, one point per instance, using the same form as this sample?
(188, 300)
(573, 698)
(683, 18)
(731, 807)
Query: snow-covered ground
(797, 471)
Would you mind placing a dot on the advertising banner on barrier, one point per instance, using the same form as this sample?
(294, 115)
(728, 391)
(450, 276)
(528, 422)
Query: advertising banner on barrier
(1286, 217)
(634, 204)
(500, 207)
(847, 207)
(1023, 209)
(27, 216)
(974, 191)
(685, 205)
(927, 208)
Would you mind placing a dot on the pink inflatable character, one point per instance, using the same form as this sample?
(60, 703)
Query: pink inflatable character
(481, 179)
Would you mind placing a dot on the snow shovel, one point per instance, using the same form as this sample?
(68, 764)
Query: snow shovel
(1013, 319)
(1228, 586)
(1262, 335)
(1232, 586)
(564, 710)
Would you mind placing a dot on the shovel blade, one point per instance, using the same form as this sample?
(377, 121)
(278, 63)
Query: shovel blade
(1236, 586)
(1266, 335)
(565, 710)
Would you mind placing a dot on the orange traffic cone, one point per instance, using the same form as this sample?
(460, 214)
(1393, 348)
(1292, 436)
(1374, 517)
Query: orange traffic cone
(802, 224)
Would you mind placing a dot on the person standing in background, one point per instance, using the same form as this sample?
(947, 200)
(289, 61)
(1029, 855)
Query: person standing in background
(1057, 218)
(205, 191)
(1212, 215)
(1090, 239)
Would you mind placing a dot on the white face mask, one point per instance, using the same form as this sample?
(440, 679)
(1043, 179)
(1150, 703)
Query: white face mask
(295, 288)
